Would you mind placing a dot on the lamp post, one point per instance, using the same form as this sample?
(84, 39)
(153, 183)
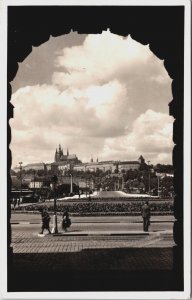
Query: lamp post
(89, 190)
(149, 176)
(20, 163)
(54, 182)
(122, 183)
(71, 185)
(158, 180)
(86, 187)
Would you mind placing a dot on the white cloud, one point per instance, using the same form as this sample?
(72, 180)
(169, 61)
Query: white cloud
(151, 136)
(103, 57)
(108, 98)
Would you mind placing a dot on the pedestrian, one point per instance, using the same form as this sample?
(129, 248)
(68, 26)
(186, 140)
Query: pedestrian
(145, 211)
(45, 221)
(66, 222)
(14, 203)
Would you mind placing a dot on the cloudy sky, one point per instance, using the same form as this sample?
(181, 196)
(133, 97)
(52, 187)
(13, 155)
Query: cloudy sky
(99, 95)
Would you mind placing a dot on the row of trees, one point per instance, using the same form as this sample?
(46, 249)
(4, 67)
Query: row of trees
(142, 179)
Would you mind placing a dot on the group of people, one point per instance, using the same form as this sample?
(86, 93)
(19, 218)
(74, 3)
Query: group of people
(66, 221)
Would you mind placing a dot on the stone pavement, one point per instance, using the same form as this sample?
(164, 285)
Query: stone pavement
(73, 251)
(22, 242)
(93, 261)
(124, 259)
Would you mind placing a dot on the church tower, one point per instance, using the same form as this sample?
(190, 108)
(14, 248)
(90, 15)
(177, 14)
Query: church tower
(141, 159)
(56, 155)
(60, 151)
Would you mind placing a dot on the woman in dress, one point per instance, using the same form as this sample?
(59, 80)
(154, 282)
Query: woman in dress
(66, 222)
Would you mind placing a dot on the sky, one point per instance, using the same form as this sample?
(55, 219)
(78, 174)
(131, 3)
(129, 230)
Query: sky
(99, 95)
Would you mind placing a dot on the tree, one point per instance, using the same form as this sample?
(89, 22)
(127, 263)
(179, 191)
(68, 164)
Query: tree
(40, 173)
(143, 167)
(160, 168)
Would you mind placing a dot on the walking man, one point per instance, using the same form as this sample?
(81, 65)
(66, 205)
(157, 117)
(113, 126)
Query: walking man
(45, 221)
(14, 203)
(145, 211)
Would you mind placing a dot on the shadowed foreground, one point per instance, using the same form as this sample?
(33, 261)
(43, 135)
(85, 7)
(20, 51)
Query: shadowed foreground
(128, 269)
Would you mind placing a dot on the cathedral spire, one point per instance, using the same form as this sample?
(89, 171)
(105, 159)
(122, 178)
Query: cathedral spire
(56, 155)
(67, 152)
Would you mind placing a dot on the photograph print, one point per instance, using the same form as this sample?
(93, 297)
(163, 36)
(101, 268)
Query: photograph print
(95, 149)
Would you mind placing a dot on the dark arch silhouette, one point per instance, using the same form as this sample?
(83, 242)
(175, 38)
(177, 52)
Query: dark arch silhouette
(160, 27)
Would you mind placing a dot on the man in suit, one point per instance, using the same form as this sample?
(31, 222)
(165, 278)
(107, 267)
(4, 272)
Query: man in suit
(45, 221)
(145, 211)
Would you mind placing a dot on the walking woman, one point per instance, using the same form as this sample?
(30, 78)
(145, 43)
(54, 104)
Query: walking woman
(66, 222)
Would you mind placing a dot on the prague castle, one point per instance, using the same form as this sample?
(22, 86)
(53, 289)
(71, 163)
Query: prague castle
(68, 158)
(64, 162)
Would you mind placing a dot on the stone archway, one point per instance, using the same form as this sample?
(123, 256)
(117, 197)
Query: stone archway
(160, 27)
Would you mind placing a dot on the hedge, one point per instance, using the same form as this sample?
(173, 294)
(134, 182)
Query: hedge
(101, 208)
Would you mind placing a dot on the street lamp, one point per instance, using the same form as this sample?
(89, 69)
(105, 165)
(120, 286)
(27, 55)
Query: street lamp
(158, 179)
(89, 190)
(71, 186)
(118, 185)
(86, 187)
(55, 228)
(20, 163)
(149, 176)
(122, 183)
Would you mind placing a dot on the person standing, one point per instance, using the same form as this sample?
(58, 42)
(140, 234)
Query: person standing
(45, 221)
(145, 211)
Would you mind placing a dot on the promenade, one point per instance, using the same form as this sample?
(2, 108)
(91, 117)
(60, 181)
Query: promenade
(97, 253)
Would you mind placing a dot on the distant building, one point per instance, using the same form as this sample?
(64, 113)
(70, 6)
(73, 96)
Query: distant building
(141, 159)
(94, 166)
(128, 165)
(111, 166)
(33, 166)
(36, 184)
(48, 167)
(39, 182)
(68, 158)
(65, 162)
(60, 166)
(80, 167)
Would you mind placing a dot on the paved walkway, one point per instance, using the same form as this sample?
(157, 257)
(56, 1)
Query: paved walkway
(93, 261)
(37, 248)
(74, 242)
(88, 250)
